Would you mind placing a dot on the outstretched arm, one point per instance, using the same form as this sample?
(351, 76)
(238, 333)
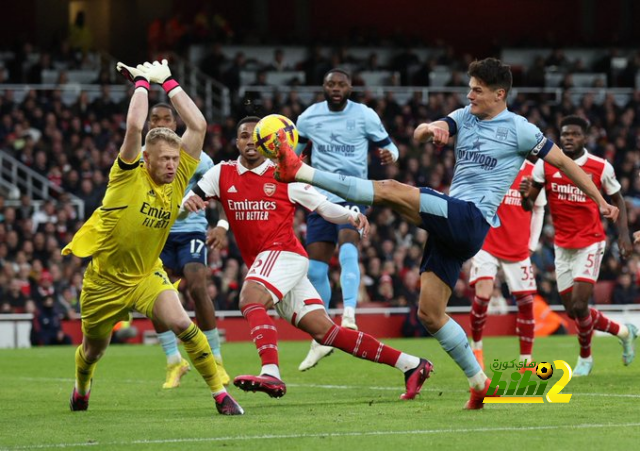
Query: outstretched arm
(437, 131)
(558, 159)
(337, 214)
(137, 114)
(193, 137)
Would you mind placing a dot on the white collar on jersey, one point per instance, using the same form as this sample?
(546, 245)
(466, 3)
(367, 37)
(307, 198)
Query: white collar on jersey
(583, 159)
(260, 170)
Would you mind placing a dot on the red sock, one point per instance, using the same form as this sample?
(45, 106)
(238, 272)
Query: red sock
(263, 333)
(478, 317)
(360, 345)
(602, 323)
(525, 324)
(585, 330)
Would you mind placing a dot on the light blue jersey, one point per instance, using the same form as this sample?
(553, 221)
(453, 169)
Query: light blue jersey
(489, 154)
(195, 222)
(341, 139)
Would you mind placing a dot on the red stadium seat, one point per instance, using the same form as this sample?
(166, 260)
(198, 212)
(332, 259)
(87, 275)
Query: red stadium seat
(603, 291)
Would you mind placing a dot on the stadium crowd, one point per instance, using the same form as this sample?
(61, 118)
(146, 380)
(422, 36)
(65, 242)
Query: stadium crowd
(74, 146)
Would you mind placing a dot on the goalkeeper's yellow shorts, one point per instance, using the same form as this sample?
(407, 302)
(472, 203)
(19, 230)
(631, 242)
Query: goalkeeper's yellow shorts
(104, 303)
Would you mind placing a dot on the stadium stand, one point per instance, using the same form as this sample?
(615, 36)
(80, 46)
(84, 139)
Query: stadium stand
(64, 137)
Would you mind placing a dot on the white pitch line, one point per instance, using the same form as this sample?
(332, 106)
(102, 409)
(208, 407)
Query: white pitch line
(325, 435)
(336, 387)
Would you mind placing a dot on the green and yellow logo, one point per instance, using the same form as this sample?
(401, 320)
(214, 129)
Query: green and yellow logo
(520, 389)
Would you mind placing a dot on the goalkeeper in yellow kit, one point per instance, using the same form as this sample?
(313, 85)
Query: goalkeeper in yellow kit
(126, 234)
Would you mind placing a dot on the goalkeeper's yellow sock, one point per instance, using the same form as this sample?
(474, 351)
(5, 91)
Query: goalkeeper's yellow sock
(84, 372)
(197, 346)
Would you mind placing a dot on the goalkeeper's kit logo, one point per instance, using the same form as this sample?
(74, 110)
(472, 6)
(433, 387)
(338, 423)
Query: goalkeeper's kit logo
(165, 281)
(520, 389)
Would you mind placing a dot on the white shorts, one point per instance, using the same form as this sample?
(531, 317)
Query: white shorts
(578, 265)
(284, 274)
(518, 275)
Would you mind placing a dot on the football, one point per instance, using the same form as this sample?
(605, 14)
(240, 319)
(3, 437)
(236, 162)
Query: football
(544, 370)
(264, 134)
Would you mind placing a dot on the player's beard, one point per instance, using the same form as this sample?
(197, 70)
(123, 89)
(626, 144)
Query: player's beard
(333, 106)
(574, 153)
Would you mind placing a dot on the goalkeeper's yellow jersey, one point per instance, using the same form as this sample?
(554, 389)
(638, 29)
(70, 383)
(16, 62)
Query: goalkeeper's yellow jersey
(127, 233)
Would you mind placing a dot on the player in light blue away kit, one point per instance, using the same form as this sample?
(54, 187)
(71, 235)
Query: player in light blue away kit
(341, 133)
(185, 254)
(491, 145)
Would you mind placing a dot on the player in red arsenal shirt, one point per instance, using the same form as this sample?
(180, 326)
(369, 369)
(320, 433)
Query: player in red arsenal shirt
(580, 238)
(508, 247)
(260, 210)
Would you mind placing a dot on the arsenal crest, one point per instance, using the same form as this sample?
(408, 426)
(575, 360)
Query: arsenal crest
(269, 189)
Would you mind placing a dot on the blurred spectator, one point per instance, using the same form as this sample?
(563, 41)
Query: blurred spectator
(625, 292)
(46, 326)
(80, 36)
(458, 296)
(213, 62)
(14, 298)
(278, 64)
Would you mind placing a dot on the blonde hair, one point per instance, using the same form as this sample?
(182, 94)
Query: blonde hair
(163, 134)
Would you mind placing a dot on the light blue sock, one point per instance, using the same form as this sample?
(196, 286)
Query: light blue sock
(453, 340)
(349, 274)
(169, 344)
(213, 337)
(351, 188)
(318, 274)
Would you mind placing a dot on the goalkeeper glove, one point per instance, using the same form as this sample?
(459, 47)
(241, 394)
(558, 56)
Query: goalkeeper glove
(136, 75)
(160, 73)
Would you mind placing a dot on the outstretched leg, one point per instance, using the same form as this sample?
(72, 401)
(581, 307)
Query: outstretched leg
(195, 274)
(626, 333)
(168, 310)
(434, 294)
(87, 355)
(416, 370)
(404, 199)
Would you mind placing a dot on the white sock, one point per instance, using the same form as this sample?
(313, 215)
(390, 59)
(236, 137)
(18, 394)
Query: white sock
(174, 359)
(349, 312)
(623, 332)
(585, 359)
(271, 370)
(407, 362)
(476, 344)
(526, 357)
(305, 173)
(478, 380)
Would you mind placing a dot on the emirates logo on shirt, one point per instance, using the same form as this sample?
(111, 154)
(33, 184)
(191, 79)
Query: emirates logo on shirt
(269, 189)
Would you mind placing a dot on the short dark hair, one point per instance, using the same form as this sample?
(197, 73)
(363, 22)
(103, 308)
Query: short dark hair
(339, 71)
(244, 120)
(164, 105)
(575, 120)
(493, 73)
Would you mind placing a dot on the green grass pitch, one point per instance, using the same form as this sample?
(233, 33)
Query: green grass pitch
(343, 404)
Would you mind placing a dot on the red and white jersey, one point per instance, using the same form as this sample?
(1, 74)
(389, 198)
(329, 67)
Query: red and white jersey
(576, 218)
(259, 208)
(510, 241)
